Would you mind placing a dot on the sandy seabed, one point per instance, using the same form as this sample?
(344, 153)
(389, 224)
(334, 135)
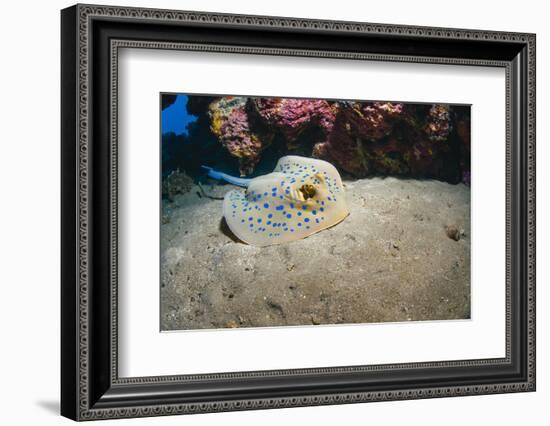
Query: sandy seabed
(403, 254)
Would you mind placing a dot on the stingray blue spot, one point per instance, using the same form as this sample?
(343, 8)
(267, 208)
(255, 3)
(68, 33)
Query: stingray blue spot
(314, 212)
(287, 192)
(266, 206)
(284, 224)
(299, 224)
(291, 205)
(270, 215)
(259, 220)
(279, 207)
(286, 229)
(274, 189)
(251, 225)
(322, 203)
(242, 220)
(304, 207)
(265, 194)
(288, 216)
(270, 235)
(322, 209)
(299, 213)
(269, 222)
(329, 198)
(250, 218)
(316, 220)
(306, 219)
(291, 230)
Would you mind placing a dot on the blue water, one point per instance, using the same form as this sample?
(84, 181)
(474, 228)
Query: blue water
(175, 118)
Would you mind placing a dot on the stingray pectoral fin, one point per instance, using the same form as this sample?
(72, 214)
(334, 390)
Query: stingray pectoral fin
(228, 178)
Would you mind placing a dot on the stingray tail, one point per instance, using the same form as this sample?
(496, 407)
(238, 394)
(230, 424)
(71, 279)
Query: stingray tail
(222, 176)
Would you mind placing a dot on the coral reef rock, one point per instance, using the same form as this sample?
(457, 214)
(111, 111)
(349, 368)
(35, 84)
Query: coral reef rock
(393, 139)
(356, 128)
(359, 138)
(438, 126)
(292, 117)
(176, 183)
(234, 127)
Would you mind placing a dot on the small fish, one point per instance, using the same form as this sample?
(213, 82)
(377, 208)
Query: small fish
(301, 197)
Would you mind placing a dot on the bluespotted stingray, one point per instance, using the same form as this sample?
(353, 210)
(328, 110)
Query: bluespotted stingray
(301, 197)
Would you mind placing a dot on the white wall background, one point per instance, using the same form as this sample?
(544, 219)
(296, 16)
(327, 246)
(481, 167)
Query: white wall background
(29, 212)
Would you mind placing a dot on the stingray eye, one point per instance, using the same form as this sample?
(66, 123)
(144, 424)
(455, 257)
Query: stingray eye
(308, 191)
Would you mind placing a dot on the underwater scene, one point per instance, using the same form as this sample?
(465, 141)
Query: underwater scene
(293, 211)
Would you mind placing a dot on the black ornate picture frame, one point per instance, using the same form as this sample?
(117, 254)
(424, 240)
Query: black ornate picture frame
(91, 387)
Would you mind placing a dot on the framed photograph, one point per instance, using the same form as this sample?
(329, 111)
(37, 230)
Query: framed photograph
(263, 212)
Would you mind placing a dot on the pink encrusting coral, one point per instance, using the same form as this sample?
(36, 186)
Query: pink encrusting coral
(230, 122)
(357, 126)
(342, 150)
(246, 126)
(240, 141)
(372, 120)
(360, 138)
(377, 138)
(293, 116)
